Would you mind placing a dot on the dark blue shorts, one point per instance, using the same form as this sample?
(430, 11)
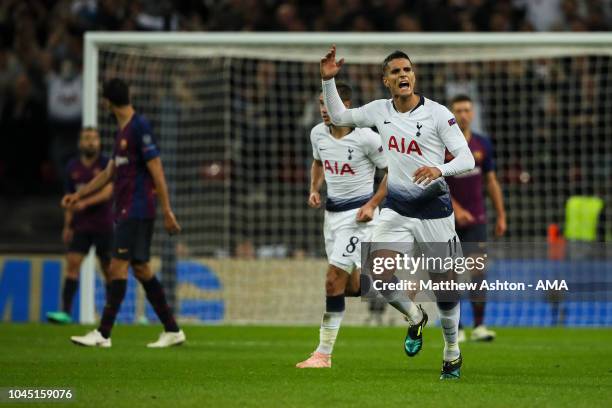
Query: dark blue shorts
(132, 239)
(82, 241)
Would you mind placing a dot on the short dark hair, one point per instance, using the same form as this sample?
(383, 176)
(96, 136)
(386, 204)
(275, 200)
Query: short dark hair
(394, 55)
(460, 98)
(116, 91)
(344, 90)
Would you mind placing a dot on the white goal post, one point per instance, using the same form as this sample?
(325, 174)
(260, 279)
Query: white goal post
(514, 43)
(441, 51)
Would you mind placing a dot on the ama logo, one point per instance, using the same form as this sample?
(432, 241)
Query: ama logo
(335, 168)
(403, 146)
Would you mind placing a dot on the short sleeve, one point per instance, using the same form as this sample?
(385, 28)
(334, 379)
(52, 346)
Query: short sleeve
(488, 164)
(313, 142)
(146, 141)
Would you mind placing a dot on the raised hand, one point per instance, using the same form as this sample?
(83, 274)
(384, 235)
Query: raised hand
(329, 65)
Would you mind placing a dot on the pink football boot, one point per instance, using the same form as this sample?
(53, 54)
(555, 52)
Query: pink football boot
(316, 360)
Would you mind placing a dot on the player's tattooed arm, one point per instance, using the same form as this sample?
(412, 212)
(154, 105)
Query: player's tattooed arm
(316, 181)
(366, 212)
(103, 178)
(157, 173)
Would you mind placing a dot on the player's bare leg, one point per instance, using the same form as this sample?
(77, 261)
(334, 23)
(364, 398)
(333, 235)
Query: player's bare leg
(71, 285)
(172, 335)
(335, 285)
(353, 284)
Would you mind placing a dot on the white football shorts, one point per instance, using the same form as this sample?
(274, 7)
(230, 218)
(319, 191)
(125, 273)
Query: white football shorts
(343, 238)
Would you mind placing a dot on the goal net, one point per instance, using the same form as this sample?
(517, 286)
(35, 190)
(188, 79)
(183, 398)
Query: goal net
(232, 115)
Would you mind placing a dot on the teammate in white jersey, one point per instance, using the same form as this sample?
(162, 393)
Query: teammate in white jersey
(415, 132)
(345, 158)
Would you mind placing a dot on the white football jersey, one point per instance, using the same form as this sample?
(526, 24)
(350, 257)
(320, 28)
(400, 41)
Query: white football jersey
(349, 165)
(412, 140)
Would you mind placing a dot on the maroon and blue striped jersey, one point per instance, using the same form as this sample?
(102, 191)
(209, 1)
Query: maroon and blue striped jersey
(134, 188)
(467, 188)
(97, 218)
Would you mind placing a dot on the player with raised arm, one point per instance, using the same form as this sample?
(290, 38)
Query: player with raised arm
(136, 169)
(469, 207)
(86, 224)
(345, 158)
(415, 132)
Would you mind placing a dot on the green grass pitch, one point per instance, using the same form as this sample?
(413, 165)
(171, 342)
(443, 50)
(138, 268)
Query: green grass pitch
(254, 366)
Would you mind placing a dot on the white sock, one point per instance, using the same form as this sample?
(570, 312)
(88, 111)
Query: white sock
(404, 305)
(449, 320)
(329, 331)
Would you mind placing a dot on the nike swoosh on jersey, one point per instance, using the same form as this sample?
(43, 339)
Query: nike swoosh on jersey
(386, 122)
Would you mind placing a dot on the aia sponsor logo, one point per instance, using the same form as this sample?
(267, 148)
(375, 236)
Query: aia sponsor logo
(404, 146)
(336, 168)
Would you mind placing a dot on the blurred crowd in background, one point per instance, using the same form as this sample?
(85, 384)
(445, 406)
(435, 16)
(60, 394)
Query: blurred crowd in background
(41, 51)
(41, 62)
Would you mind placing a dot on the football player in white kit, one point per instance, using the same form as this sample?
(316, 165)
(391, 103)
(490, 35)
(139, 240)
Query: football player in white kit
(345, 158)
(415, 132)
